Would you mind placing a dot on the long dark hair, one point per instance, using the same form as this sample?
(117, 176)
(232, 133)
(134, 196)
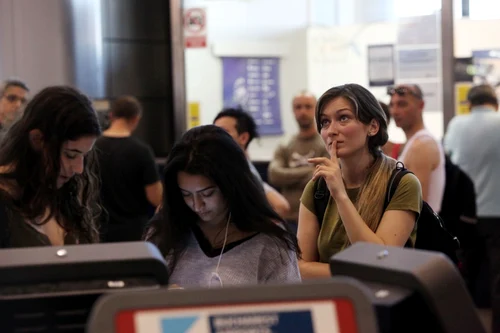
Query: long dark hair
(211, 152)
(60, 113)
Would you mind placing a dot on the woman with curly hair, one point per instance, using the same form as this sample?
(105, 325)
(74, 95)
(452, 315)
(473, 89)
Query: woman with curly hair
(48, 184)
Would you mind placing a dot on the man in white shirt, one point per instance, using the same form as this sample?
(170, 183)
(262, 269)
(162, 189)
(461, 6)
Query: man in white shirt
(422, 154)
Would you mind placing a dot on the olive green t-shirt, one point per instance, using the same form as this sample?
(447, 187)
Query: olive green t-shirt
(332, 236)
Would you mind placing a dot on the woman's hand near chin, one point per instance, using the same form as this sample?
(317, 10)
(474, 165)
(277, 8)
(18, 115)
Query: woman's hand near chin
(329, 170)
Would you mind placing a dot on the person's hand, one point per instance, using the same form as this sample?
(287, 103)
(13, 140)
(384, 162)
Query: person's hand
(329, 169)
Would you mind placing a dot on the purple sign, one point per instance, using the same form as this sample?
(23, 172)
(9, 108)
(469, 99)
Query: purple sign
(253, 85)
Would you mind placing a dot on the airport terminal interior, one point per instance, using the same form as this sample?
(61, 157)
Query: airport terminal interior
(243, 166)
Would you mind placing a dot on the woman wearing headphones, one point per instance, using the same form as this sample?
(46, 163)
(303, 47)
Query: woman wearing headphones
(216, 227)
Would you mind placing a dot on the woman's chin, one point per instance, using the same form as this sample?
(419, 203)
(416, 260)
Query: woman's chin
(340, 152)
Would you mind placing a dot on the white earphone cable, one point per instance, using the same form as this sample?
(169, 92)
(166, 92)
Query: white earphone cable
(216, 273)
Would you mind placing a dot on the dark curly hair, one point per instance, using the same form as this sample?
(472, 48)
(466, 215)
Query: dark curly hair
(60, 113)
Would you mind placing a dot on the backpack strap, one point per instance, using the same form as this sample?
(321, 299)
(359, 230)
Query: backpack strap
(397, 175)
(321, 197)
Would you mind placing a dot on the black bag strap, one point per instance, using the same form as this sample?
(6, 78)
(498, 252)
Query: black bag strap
(397, 175)
(321, 197)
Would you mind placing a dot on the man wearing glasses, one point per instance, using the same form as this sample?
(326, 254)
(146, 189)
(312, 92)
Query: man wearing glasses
(13, 95)
(422, 154)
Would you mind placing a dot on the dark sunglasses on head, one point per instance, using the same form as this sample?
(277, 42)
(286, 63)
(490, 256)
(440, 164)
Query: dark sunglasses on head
(402, 91)
(14, 98)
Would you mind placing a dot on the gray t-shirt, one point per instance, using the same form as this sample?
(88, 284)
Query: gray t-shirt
(290, 170)
(258, 259)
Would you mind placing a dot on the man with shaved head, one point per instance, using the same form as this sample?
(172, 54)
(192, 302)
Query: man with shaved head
(422, 154)
(289, 169)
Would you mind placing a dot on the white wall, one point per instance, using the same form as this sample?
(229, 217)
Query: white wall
(38, 52)
(238, 20)
(471, 35)
(315, 58)
(339, 55)
(264, 28)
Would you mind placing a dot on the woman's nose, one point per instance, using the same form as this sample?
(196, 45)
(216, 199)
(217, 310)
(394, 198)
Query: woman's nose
(78, 165)
(333, 128)
(197, 203)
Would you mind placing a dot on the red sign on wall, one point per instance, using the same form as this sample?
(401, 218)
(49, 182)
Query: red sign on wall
(195, 27)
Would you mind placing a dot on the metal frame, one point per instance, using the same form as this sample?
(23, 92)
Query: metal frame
(448, 61)
(178, 72)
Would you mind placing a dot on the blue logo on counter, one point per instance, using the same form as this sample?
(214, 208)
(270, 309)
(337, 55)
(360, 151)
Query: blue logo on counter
(177, 325)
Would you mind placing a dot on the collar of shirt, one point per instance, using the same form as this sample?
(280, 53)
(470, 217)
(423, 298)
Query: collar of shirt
(483, 108)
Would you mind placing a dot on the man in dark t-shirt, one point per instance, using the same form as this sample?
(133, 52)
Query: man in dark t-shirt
(130, 183)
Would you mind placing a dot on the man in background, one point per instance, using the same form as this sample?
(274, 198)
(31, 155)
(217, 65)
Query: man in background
(130, 183)
(422, 153)
(241, 126)
(13, 95)
(289, 169)
(473, 143)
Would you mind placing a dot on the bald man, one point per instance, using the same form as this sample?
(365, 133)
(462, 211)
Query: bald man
(289, 169)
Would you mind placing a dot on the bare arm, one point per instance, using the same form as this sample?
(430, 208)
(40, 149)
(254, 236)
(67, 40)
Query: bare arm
(154, 193)
(281, 175)
(307, 235)
(394, 229)
(423, 158)
(276, 200)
